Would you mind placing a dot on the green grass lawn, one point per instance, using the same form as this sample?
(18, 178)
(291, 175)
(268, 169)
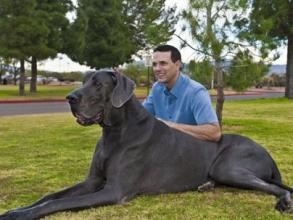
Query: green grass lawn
(44, 153)
(46, 92)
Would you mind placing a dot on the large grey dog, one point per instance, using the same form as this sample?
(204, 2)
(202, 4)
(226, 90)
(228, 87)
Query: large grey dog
(138, 154)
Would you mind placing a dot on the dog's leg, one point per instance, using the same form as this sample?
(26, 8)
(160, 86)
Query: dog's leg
(106, 196)
(245, 179)
(86, 187)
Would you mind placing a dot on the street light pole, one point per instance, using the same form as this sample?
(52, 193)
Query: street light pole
(148, 86)
(148, 64)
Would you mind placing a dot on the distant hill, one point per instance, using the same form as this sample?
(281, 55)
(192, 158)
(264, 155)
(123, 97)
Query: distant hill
(278, 69)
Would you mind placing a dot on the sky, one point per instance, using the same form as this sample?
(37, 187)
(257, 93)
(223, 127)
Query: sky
(64, 64)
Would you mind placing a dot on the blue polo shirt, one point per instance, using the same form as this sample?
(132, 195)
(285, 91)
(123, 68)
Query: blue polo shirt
(188, 102)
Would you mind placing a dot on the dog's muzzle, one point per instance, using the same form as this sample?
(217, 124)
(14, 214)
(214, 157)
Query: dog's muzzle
(73, 100)
(97, 119)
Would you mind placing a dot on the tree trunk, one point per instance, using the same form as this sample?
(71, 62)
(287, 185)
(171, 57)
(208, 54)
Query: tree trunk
(289, 69)
(22, 78)
(33, 83)
(14, 76)
(220, 92)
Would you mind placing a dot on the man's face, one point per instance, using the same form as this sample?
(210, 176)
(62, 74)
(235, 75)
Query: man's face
(164, 69)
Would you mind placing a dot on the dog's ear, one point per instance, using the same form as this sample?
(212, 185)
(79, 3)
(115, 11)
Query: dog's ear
(123, 90)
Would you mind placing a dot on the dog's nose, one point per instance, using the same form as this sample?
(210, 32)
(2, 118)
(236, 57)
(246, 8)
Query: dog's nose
(72, 98)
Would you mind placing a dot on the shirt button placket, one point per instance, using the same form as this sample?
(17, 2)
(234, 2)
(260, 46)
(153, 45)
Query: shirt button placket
(170, 106)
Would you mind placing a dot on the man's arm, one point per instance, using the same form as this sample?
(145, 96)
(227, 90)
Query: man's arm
(210, 132)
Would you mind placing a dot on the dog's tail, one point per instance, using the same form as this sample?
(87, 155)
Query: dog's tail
(280, 184)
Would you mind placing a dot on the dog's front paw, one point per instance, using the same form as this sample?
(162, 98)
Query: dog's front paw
(3, 216)
(6, 216)
(15, 215)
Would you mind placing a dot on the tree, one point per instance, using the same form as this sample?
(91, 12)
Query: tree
(244, 72)
(16, 32)
(202, 72)
(134, 72)
(32, 30)
(270, 25)
(108, 33)
(211, 24)
(149, 21)
(2, 64)
(49, 25)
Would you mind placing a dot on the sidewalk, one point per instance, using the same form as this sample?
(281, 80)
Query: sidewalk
(257, 91)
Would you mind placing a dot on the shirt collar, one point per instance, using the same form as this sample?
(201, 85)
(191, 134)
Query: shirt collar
(177, 88)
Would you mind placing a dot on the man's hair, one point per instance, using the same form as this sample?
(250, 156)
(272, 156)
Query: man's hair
(175, 54)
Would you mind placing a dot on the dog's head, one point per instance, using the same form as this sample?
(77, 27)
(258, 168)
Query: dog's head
(101, 91)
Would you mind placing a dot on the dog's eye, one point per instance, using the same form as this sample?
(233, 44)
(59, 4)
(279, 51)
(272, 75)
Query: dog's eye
(94, 101)
(98, 85)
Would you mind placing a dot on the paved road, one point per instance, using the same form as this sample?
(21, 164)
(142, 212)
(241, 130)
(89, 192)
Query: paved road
(33, 108)
(9, 109)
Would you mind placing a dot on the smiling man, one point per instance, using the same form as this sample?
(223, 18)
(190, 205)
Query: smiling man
(179, 101)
